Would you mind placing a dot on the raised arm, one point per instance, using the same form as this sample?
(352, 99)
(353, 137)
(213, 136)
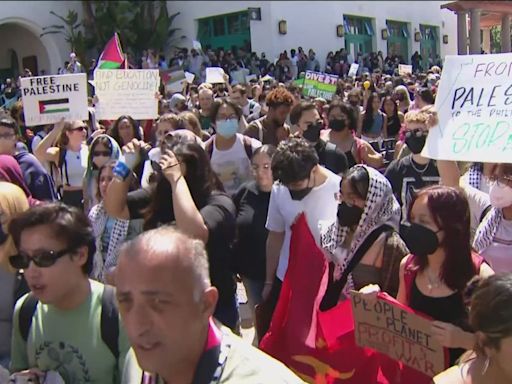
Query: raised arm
(46, 150)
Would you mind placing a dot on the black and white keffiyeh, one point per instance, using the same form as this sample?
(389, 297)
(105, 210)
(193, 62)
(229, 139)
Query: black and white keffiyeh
(381, 207)
(487, 230)
(98, 217)
(475, 175)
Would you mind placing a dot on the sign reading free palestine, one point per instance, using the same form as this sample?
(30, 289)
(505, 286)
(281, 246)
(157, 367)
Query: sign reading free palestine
(318, 84)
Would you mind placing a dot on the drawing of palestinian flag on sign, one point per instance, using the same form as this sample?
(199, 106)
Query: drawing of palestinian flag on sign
(53, 106)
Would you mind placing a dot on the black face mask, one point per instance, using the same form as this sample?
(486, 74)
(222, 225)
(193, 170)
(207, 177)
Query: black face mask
(420, 240)
(414, 142)
(299, 194)
(312, 133)
(354, 103)
(337, 125)
(349, 216)
(3, 236)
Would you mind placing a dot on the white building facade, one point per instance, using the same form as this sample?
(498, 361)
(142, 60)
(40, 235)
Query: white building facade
(387, 26)
(396, 26)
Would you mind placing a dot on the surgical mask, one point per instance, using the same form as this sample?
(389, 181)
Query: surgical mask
(3, 235)
(500, 195)
(312, 133)
(420, 240)
(227, 128)
(337, 125)
(349, 216)
(414, 142)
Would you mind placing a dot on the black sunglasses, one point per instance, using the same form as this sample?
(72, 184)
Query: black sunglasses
(81, 129)
(101, 153)
(43, 259)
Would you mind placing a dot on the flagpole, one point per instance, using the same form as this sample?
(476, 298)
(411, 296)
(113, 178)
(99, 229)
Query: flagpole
(126, 61)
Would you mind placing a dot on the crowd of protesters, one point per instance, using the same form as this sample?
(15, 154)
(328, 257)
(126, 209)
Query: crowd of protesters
(173, 211)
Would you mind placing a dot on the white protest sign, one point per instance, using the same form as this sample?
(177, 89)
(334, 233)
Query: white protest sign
(197, 45)
(474, 106)
(190, 77)
(214, 75)
(404, 69)
(48, 99)
(353, 70)
(126, 92)
(248, 78)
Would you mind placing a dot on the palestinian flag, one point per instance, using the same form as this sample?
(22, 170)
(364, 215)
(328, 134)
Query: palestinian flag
(112, 56)
(53, 106)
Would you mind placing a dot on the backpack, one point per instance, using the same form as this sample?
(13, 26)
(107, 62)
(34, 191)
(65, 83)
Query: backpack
(109, 325)
(247, 146)
(410, 272)
(330, 156)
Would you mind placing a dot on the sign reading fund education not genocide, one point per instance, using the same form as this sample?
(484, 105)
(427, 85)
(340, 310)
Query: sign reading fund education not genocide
(474, 105)
(317, 84)
(390, 328)
(126, 92)
(48, 99)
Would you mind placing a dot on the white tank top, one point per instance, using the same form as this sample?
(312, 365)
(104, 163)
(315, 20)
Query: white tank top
(74, 167)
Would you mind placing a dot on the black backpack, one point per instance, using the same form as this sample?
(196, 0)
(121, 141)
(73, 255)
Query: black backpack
(109, 319)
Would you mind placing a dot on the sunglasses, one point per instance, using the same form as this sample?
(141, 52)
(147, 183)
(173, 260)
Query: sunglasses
(101, 153)
(81, 129)
(43, 259)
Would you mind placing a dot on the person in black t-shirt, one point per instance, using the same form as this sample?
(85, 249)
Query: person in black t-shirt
(252, 200)
(414, 171)
(188, 195)
(308, 124)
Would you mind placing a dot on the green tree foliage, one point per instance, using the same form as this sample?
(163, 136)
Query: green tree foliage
(141, 25)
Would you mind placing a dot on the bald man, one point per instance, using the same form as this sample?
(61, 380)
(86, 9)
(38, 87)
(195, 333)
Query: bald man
(166, 302)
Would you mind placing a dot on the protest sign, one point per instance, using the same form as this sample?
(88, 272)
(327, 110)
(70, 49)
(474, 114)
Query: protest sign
(190, 77)
(352, 72)
(404, 69)
(393, 329)
(248, 78)
(126, 92)
(267, 78)
(317, 84)
(48, 99)
(238, 77)
(197, 45)
(214, 75)
(173, 80)
(474, 106)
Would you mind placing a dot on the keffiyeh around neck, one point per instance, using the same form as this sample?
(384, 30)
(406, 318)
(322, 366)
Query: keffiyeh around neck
(487, 230)
(380, 208)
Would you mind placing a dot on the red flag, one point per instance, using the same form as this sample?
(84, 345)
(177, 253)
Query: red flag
(112, 56)
(320, 346)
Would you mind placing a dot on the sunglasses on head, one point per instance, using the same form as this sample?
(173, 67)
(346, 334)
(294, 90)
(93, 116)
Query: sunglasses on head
(101, 153)
(43, 259)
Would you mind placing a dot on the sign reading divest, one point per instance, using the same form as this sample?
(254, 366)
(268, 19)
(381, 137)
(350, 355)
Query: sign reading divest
(474, 106)
(392, 329)
(126, 92)
(48, 99)
(317, 84)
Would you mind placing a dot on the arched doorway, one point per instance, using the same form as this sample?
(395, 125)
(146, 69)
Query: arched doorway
(25, 49)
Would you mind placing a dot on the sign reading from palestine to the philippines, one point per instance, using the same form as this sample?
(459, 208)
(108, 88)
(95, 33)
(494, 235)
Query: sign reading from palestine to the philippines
(48, 99)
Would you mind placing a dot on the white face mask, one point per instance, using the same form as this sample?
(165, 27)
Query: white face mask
(500, 195)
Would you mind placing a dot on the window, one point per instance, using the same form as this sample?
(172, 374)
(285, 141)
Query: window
(204, 28)
(237, 23)
(358, 25)
(219, 27)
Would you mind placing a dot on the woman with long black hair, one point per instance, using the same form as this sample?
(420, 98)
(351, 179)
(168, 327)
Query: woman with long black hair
(188, 195)
(395, 118)
(374, 122)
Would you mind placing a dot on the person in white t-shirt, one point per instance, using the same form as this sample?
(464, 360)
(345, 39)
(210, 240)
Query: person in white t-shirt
(302, 186)
(250, 108)
(230, 152)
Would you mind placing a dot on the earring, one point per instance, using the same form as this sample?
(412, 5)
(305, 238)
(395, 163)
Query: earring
(486, 365)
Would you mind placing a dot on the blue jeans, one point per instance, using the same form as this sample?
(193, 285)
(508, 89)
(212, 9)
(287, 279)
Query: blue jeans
(228, 315)
(254, 289)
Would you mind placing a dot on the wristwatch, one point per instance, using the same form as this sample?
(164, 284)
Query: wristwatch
(121, 171)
